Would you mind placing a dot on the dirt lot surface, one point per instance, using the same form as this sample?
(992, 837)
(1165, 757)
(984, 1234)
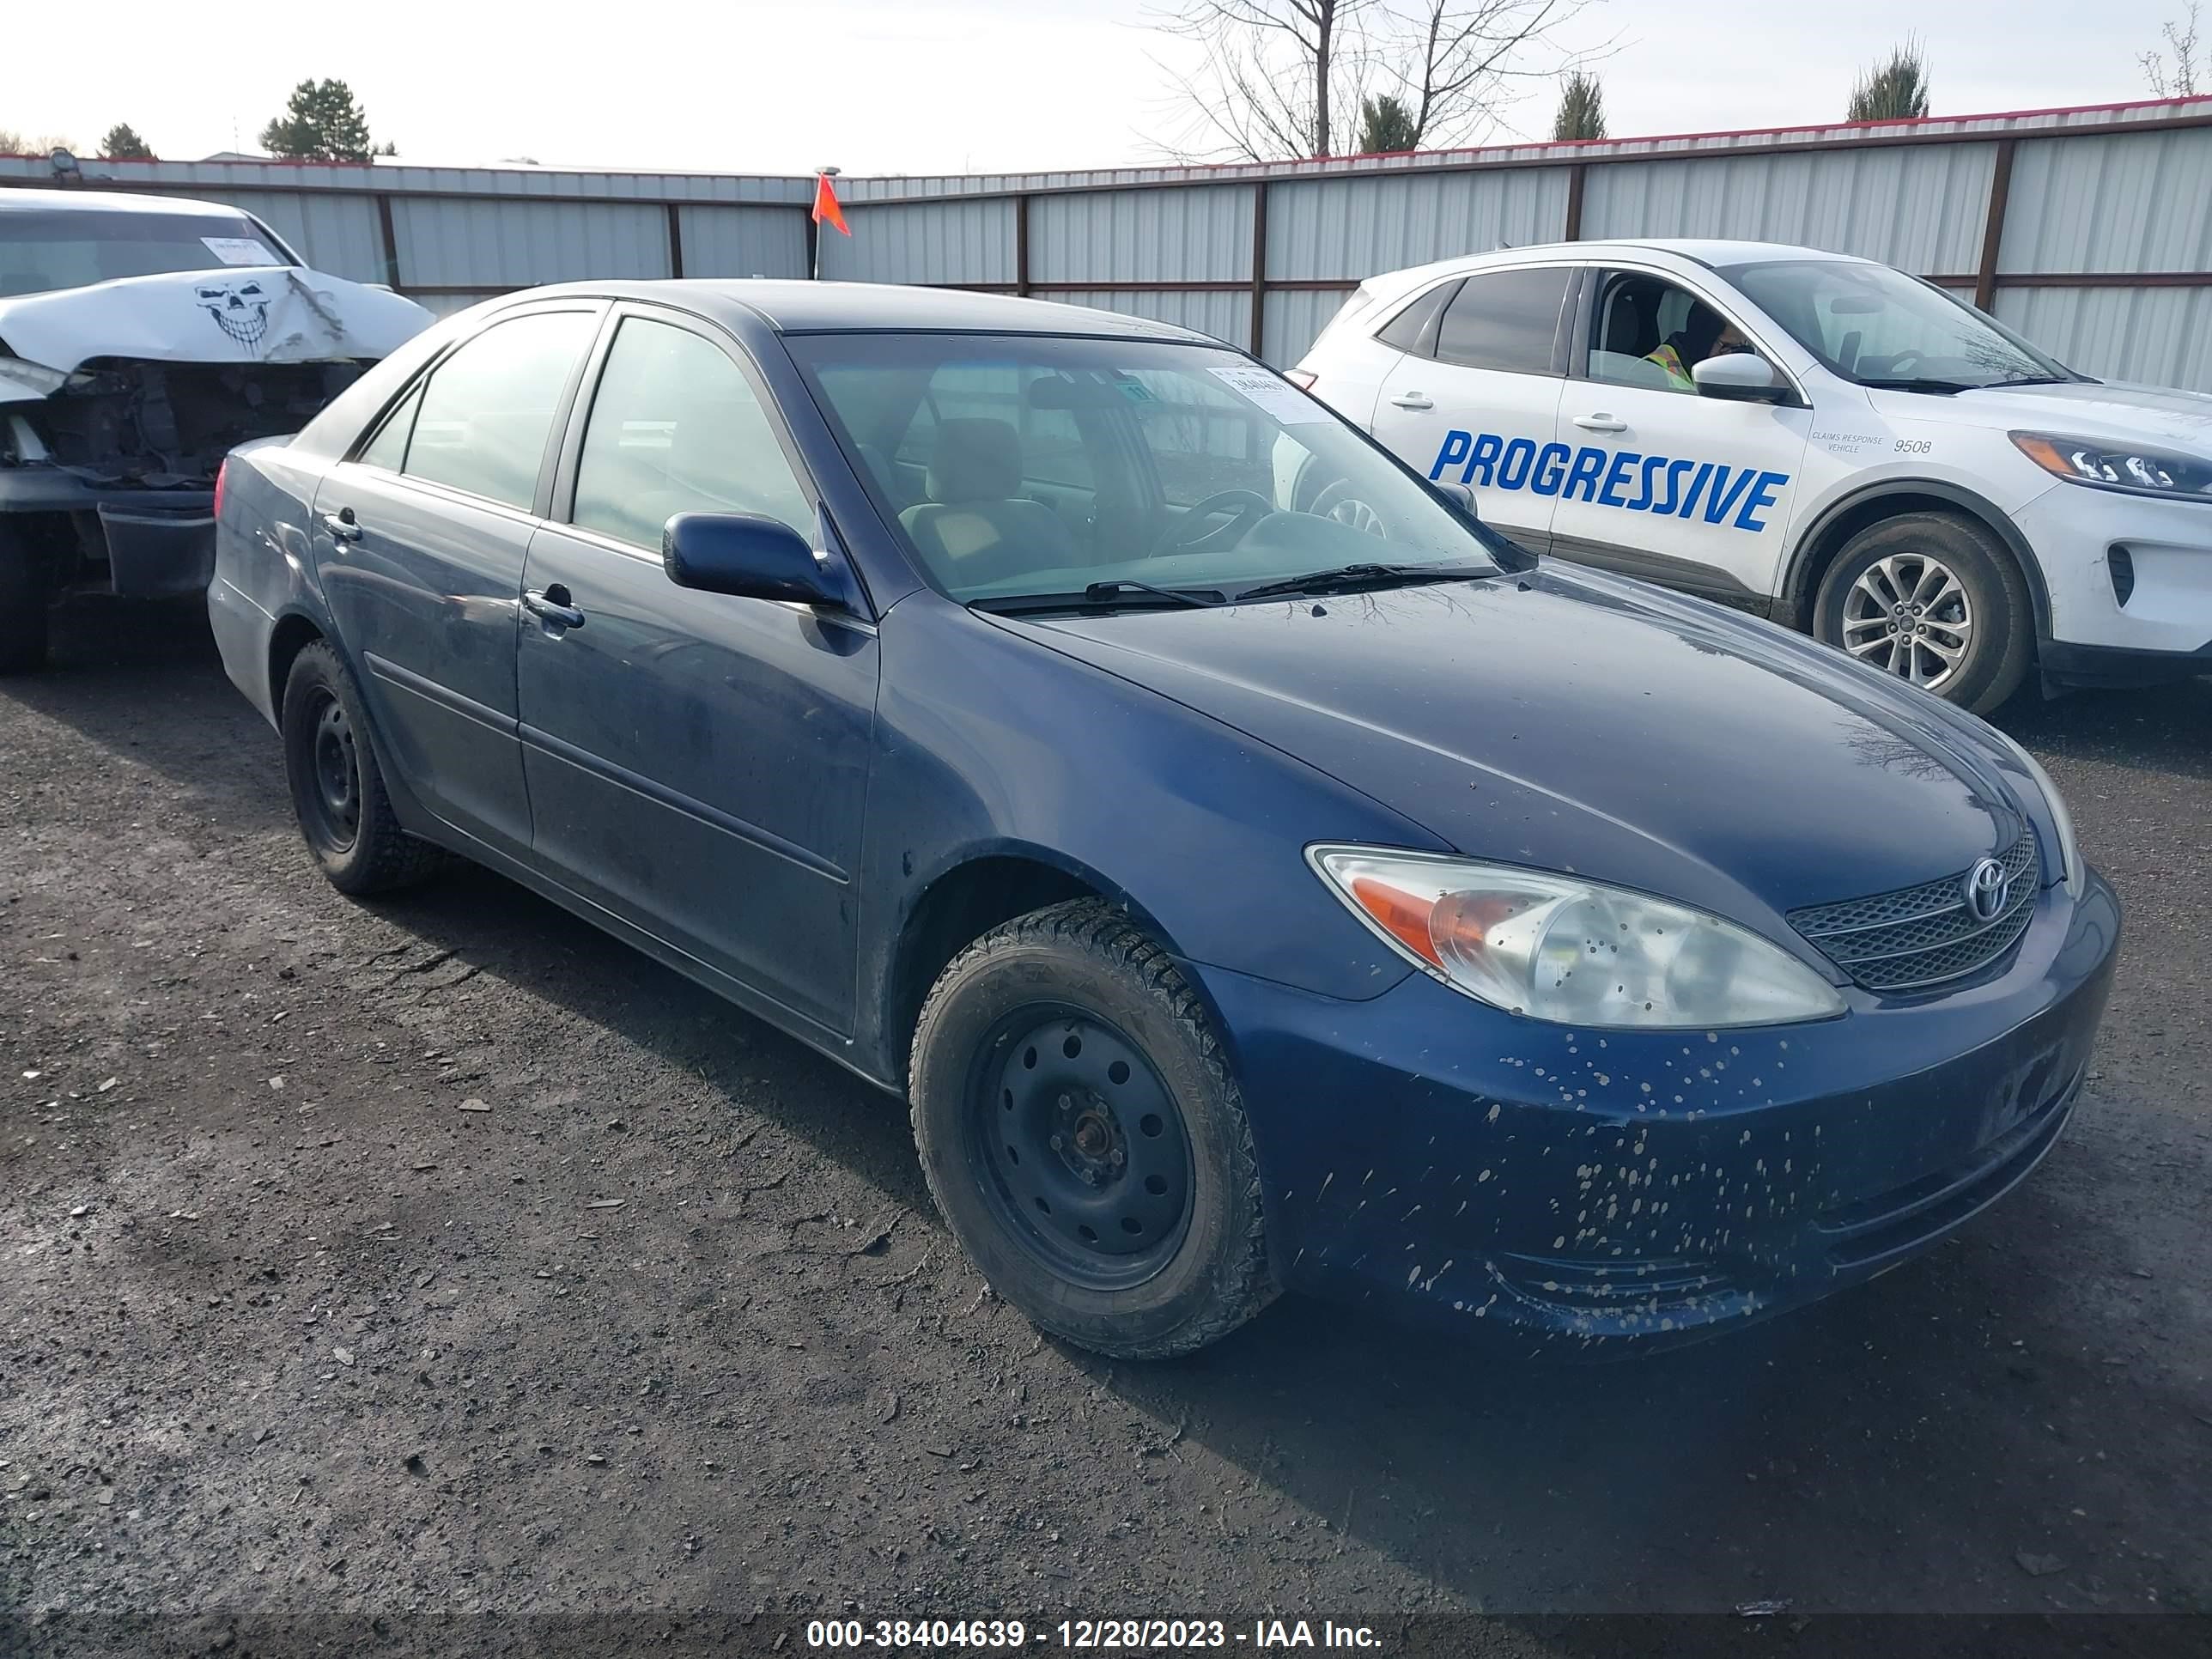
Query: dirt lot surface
(441, 1255)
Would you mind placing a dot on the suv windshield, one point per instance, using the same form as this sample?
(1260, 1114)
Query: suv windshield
(1880, 327)
(69, 247)
(1017, 465)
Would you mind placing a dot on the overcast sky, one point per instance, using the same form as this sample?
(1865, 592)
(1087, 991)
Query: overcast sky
(875, 86)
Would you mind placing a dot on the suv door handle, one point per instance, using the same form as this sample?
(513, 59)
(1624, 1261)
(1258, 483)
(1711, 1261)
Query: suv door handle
(1601, 422)
(1412, 400)
(342, 525)
(551, 604)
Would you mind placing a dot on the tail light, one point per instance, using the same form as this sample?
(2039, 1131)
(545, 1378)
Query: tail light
(220, 473)
(1302, 378)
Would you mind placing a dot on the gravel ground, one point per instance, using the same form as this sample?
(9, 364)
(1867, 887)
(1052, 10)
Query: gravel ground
(443, 1255)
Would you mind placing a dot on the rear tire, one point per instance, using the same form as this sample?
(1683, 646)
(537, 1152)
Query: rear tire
(1064, 1074)
(1974, 607)
(337, 792)
(23, 608)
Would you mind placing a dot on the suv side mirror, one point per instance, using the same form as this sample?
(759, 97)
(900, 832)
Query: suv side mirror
(747, 554)
(1742, 377)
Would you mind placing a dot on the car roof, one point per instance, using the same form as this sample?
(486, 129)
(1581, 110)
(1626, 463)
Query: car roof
(810, 308)
(108, 201)
(1704, 251)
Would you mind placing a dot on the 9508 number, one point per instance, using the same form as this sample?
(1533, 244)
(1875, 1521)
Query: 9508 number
(851, 1633)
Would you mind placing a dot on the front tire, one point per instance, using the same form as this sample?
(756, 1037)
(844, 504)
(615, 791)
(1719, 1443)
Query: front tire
(22, 607)
(1083, 1138)
(1934, 599)
(337, 792)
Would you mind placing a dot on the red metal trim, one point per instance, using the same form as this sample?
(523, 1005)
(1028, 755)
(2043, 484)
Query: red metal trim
(1985, 280)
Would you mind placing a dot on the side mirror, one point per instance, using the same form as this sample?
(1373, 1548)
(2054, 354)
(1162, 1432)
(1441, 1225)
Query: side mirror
(1460, 495)
(747, 554)
(1742, 377)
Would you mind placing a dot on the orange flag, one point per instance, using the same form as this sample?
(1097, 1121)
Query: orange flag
(826, 211)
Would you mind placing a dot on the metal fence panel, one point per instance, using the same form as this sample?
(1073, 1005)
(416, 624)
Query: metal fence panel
(1293, 320)
(962, 241)
(2159, 336)
(1921, 210)
(743, 241)
(2112, 202)
(1357, 227)
(1202, 235)
(1226, 316)
(516, 244)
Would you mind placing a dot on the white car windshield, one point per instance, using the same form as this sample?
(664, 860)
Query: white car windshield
(41, 250)
(1021, 465)
(1881, 328)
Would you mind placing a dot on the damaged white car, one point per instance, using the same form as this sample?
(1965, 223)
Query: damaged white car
(141, 338)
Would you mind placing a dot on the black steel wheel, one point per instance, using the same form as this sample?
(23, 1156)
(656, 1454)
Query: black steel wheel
(1079, 1146)
(1083, 1135)
(337, 793)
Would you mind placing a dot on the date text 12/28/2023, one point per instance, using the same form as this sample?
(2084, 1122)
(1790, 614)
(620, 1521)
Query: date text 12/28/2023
(1089, 1635)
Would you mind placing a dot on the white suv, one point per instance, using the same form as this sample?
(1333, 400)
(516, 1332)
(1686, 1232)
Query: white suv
(1818, 438)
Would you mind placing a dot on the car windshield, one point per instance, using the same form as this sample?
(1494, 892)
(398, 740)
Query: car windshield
(1141, 471)
(42, 250)
(1880, 327)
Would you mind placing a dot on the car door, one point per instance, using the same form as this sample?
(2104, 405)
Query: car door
(1661, 481)
(1476, 398)
(420, 538)
(697, 763)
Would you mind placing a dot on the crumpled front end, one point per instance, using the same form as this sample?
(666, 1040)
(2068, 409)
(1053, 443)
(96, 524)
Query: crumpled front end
(120, 400)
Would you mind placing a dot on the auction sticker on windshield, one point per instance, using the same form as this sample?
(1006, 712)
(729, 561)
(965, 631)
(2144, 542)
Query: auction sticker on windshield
(240, 251)
(1275, 397)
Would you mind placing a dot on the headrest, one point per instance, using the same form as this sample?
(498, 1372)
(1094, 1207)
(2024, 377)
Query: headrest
(976, 461)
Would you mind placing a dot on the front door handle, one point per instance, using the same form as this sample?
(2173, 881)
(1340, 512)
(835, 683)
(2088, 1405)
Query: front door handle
(1600, 423)
(1412, 400)
(550, 604)
(342, 525)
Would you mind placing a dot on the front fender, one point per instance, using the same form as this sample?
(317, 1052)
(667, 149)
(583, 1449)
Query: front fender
(992, 744)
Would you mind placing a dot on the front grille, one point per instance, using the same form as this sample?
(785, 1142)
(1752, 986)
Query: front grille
(1920, 937)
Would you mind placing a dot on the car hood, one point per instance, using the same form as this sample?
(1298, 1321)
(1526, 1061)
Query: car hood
(1592, 724)
(234, 314)
(2086, 409)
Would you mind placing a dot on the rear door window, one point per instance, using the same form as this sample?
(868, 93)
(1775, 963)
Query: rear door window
(486, 412)
(1506, 321)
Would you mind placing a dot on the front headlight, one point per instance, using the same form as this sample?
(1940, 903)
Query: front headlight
(1576, 952)
(2074, 872)
(2129, 468)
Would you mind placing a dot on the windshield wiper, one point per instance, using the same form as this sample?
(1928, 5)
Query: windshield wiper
(1915, 383)
(1097, 594)
(1365, 575)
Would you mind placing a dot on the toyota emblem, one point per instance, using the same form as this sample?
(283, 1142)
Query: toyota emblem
(1985, 887)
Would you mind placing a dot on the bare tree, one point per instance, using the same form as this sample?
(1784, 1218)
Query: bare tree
(16, 143)
(2178, 79)
(1274, 75)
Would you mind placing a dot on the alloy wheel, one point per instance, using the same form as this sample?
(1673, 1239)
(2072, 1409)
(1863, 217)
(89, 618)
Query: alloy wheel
(1908, 615)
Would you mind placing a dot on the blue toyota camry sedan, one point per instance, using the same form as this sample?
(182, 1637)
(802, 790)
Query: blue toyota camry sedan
(1253, 872)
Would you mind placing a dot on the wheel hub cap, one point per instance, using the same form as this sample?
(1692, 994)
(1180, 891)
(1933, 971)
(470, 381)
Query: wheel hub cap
(1081, 1148)
(1910, 615)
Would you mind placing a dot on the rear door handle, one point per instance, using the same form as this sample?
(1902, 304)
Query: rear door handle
(1412, 400)
(551, 604)
(1600, 423)
(342, 525)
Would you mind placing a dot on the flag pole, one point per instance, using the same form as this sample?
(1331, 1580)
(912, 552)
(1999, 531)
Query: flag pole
(814, 222)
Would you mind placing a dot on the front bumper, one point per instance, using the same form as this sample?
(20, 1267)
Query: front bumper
(160, 544)
(1613, 1188)
(2129, 581)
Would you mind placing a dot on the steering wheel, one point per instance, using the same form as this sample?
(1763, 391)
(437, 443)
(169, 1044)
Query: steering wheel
(1338, 503)
(1248, 505)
